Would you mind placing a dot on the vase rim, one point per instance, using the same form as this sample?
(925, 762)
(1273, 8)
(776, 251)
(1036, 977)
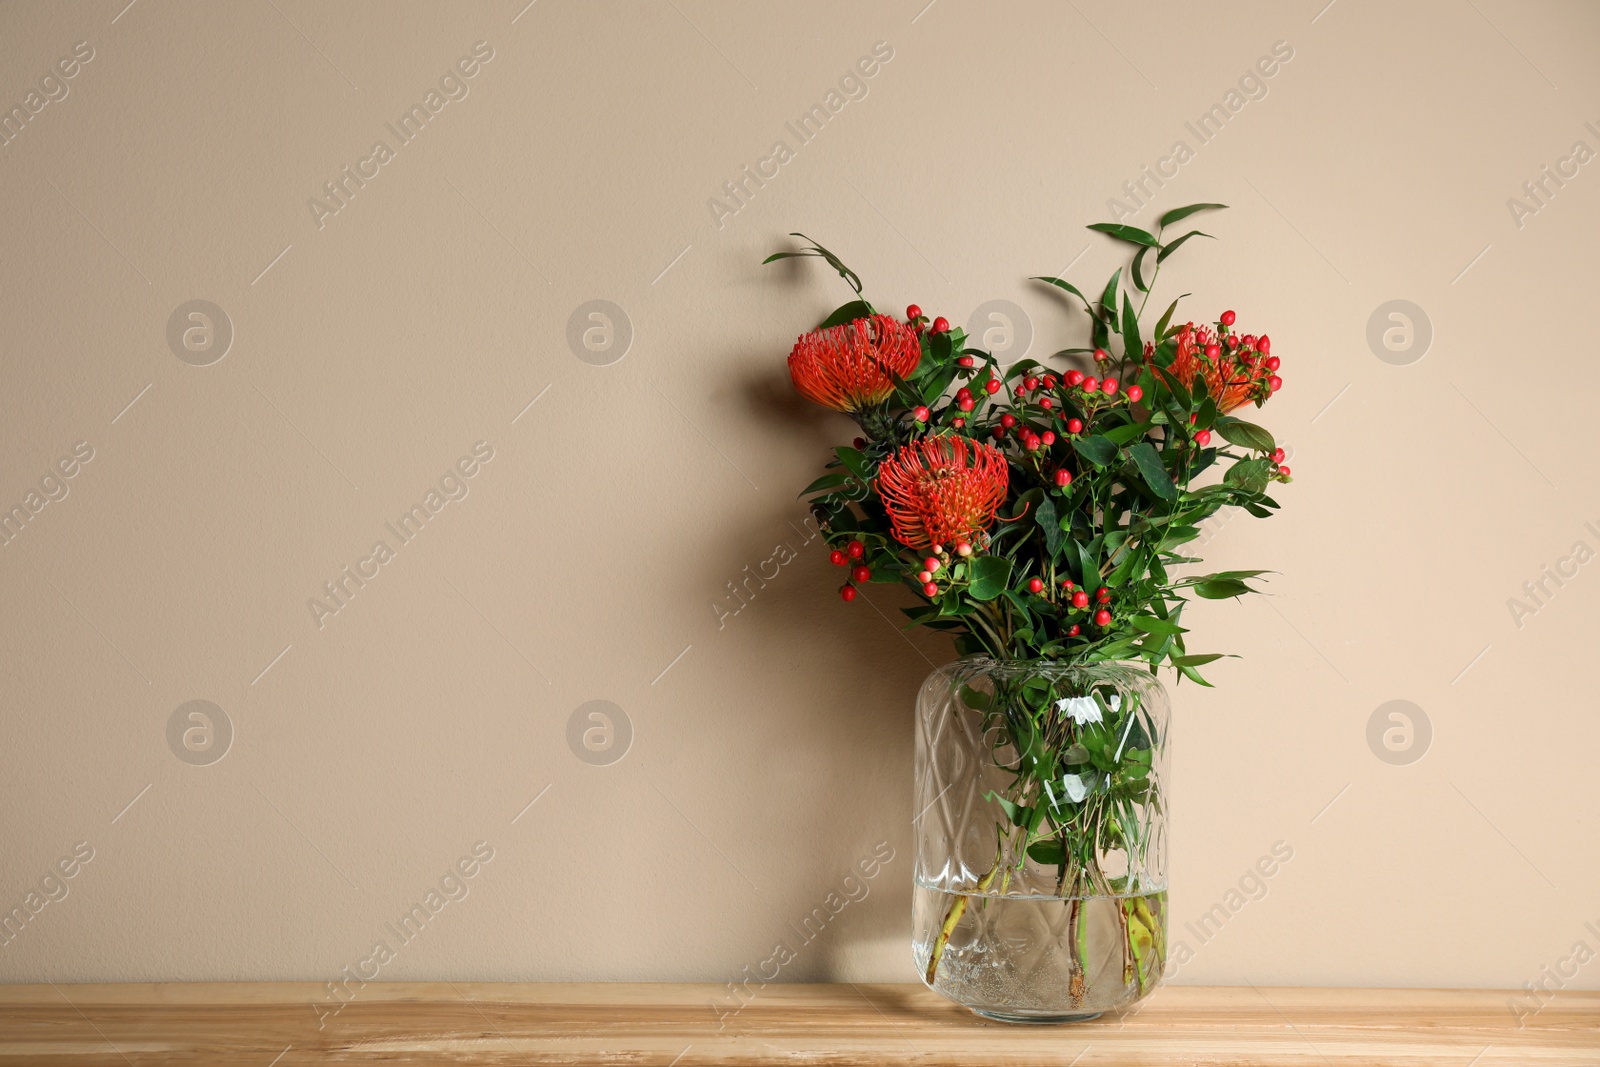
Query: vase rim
(991, 664)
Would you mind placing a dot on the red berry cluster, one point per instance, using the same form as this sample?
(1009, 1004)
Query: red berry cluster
(1079, 600)
(850, 556)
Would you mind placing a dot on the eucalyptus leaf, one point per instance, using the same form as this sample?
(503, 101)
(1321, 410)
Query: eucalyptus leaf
(990, 575)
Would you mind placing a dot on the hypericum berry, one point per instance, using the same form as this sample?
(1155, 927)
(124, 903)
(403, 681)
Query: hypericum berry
(1074, 425)
(1275, 383)
(1135, 393)
(1213, 351)
(1264, 345)
(920, 413)
(1063, 477)
(958, 422)
(1090, 384)
(1202, 438)
(1017, 392)
(1248, 340)
(963, 549)
(1109, 387)
(1066, 583)
(1048, 437)
(1284, 471)
(1273, 362)
(1031, 383)
(848, 593)
(1080, 599)
(1008, 420)
(913, 313)
(1194, 418)
(1073, 378)
(861, 574)
(931, 563)
(1034, 443)
(1229, 318)
(1102, 618)
(963, 393)
(1101, 355)
(992, 386)
(941, 325)
(1102, 594)
(1075, 631)
(859, 443)
(966, 404)
(856, 549)
(964, 361)
(1035, 585)
(924, 577)
(930, 589)
(837, 558)
(1046, 403)
(1279, 455)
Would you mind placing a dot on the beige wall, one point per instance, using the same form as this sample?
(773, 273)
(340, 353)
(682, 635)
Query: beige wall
(770, 751)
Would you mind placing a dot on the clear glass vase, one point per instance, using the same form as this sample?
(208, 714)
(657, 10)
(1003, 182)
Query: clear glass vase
(1041, 866)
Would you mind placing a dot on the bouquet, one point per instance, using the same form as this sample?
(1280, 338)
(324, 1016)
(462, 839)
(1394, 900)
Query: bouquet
(1040, 512)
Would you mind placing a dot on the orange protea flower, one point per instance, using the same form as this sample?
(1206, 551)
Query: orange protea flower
(941, 490)
(1236, 369)
(847, 367)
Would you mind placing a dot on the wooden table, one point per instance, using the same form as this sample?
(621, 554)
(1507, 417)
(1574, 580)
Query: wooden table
(277, 1025)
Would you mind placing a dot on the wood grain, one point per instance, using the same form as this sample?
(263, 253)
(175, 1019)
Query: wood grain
(277, 1025)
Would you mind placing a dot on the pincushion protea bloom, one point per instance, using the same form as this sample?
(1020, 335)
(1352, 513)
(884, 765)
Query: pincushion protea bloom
(1235, 371)
(847, 367)
(939, 490)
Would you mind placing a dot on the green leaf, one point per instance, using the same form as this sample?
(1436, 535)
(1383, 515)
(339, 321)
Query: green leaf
(990, 575)
(856, 309)
(1138, 272)
(1152, 625)
(1015, 812)
(1166, 317)
(1045, 515)
(1178, 214)
(935, 385)
(1221, 588)
(1196, 661)
(817, 250)
(1068, 286)
(854, 461)
(827, 481)
(1167, 250)
(1131, 234)
(1246, 435)
(1051, 853)
(1249, 475)
(1096, 449)
(1106, 311)
(1132, 346)
(1148, 460)
(1128, 432)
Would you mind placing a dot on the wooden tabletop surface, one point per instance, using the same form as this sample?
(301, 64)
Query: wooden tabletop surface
(288, 1023)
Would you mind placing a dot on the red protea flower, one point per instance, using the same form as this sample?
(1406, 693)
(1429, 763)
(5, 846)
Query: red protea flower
(939, 490)
(847, 367)
(1235, 373)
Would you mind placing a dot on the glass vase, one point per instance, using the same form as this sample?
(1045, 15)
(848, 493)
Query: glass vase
(1041, 862)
